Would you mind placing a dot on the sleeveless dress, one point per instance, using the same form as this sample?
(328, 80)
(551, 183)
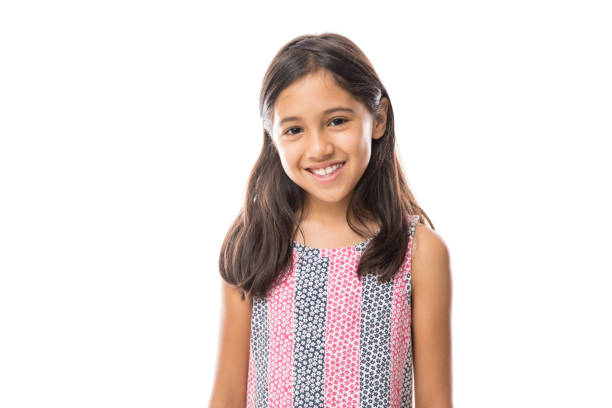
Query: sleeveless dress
(324, 338)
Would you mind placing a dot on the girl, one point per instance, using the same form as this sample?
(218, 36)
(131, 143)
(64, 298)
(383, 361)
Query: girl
(334, 289)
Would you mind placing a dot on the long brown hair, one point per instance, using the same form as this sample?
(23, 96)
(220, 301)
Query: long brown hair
(257, 249)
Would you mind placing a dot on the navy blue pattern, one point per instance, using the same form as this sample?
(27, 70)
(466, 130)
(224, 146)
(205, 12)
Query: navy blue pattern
(310, 313)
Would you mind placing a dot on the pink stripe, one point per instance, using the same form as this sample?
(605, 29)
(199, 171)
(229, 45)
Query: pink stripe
(280, 363)
(401, 316)
(250, 397)
(342, 331)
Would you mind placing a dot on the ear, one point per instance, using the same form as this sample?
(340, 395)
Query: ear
(380, 121)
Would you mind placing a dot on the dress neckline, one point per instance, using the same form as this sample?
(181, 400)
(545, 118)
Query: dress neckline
(357, 245)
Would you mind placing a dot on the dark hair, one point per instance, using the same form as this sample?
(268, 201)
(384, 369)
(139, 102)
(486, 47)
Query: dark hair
(257, 249)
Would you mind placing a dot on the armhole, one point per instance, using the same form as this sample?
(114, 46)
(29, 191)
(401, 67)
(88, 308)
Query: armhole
(411, 233)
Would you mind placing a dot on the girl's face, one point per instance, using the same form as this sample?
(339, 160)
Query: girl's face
(309, 135)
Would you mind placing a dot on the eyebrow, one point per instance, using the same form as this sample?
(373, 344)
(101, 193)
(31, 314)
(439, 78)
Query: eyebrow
(325, 112)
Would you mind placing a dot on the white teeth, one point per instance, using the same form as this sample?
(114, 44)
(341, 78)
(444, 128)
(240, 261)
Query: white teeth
(327, 170)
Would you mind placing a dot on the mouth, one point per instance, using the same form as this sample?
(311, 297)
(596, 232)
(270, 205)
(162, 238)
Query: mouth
(327, 174)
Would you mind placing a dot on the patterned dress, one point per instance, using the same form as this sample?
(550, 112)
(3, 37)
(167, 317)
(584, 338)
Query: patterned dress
(324, 338)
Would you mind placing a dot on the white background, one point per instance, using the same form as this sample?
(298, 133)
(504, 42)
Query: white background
(128, 130)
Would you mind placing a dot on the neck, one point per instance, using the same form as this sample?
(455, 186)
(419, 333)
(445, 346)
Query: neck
(324, 212)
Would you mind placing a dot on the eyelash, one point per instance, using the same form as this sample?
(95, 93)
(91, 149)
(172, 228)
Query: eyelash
(296, 127)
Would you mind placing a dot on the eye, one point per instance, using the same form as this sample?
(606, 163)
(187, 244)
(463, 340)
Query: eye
(342, 119)
(288, 130)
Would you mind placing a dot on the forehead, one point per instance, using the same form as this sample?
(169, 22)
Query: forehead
(311, 95)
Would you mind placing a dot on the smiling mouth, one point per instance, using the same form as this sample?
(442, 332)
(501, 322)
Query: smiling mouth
(326, 171)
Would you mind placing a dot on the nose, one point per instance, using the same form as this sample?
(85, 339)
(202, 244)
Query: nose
(319, 145)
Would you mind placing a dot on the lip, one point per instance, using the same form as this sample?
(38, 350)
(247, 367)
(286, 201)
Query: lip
(326, 164)
(330, 177)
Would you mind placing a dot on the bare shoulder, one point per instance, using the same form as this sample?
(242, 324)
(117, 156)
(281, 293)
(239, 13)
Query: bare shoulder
(232, 297)
(430, 255)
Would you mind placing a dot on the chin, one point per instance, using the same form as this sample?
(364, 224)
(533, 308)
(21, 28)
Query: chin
(330, 198)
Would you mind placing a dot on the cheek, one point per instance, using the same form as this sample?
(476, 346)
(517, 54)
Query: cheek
(361, 151)
(289, 162)
(360, 147)
(365, 155)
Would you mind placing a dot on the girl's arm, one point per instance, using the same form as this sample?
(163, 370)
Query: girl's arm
(233, 351)
(431, 320)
